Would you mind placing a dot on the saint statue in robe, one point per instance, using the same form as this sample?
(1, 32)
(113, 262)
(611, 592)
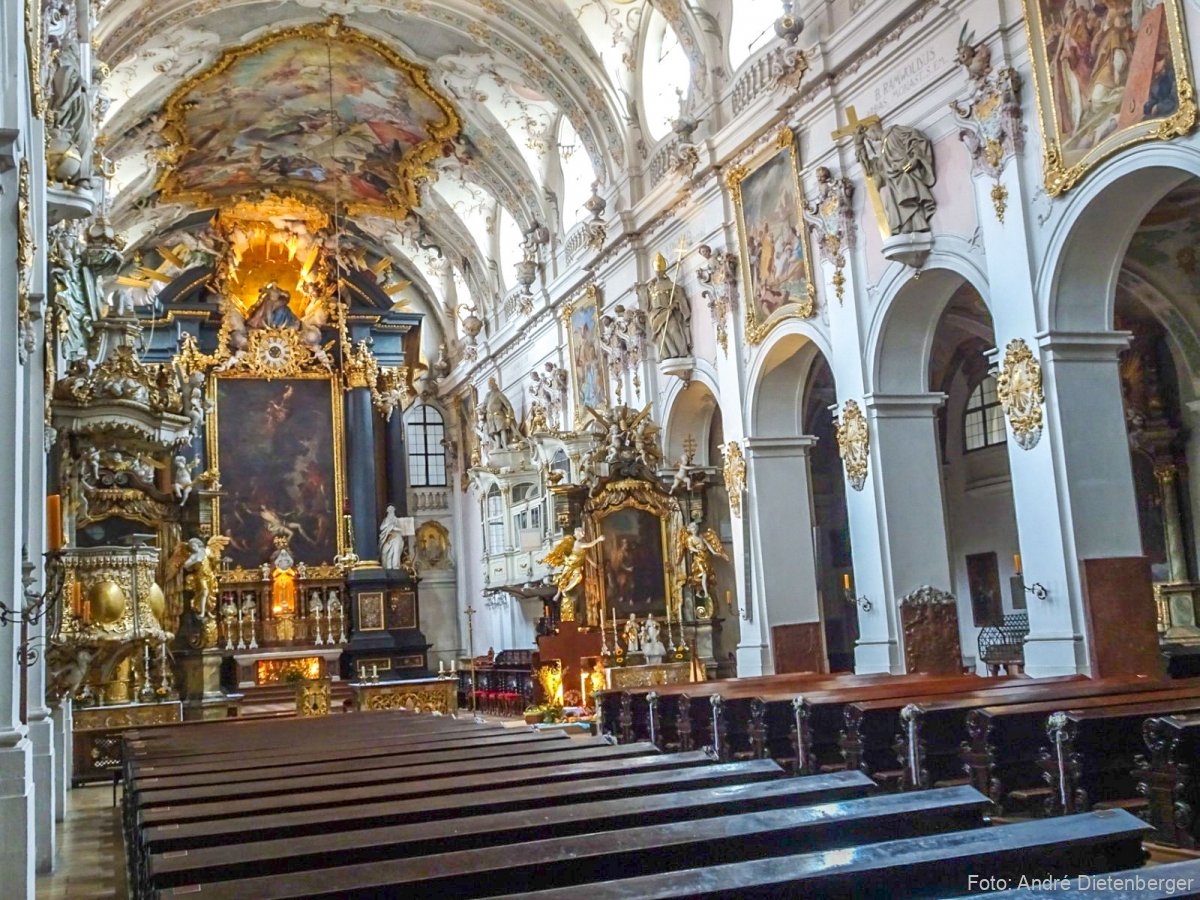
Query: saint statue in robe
(900, 162)
(283, 584)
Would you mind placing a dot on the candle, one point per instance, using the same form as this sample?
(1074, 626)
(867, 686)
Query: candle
(846, 581)
(54, 525)
(1017, 563)
(583, 689)
(441, 667)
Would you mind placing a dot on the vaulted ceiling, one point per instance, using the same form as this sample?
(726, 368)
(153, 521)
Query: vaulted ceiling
(208, 102)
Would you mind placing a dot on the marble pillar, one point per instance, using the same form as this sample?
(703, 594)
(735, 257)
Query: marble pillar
(787, 600)
(397, 463)
(361, 474)
(905, 470)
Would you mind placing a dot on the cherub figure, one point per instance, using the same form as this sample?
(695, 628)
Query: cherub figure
(570, 553)
(701, 548)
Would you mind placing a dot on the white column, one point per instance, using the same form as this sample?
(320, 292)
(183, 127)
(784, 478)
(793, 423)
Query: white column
(906, 475)
(1074, 493)
(38, 714)
(782, 558)
(61, 717)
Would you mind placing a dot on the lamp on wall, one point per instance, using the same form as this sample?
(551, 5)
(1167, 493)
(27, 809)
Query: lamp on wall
(1018, 581)
(848, 594)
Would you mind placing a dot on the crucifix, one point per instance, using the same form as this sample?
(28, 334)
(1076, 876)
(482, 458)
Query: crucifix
(857, 127)
(470, 611)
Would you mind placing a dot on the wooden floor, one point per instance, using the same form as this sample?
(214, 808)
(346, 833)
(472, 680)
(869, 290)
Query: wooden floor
(90, 856)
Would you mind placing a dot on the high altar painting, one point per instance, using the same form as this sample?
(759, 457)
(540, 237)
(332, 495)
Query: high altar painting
(588, 371)
(633, 560)
(1107, 75)
(773, 237)
(279, 457)
(343, 117)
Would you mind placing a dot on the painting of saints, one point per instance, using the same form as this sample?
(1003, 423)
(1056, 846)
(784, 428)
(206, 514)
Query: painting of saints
(774, 239)
(633, 563)
(1104, 71)
(338, 117)
(278, 457)
(587, 364)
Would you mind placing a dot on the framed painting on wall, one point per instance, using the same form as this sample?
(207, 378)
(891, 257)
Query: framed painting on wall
(983, 581)
(589, 382)
(1106, 76)
(776, 261)
(279, 448)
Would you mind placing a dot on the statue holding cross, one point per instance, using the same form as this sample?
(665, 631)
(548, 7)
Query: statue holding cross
(898, 162)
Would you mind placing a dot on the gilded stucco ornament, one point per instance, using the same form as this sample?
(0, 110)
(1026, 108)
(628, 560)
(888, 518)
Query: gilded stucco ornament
(831, 217)
(734, 472)
(718, 274)
(989, 120)
(1019, 388)
(854, 443)
(26, 261)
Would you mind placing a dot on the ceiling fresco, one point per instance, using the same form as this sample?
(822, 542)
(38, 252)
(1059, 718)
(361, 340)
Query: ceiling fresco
(320, 112)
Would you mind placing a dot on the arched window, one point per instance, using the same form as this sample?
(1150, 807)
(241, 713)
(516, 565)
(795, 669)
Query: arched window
(666, 74)
(527, 512)
(753, 27)
(560, 463)
(426, 452)
(983, 422)
(511, 254)
(493, 516)
(577, 173)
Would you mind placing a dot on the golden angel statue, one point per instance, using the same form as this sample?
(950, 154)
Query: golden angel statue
(569, 553)
(200, 561)
(701, 548)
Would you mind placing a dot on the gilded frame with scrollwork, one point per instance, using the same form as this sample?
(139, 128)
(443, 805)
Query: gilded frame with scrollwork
(782, 149)
(414, 168)
(213, 452)
(1063, 169)
(616, 497)
(587, 299)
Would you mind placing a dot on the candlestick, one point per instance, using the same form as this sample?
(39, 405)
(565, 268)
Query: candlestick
(441, 667)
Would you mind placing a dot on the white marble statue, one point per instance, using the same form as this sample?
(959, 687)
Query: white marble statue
(652, 645)
(391, 541)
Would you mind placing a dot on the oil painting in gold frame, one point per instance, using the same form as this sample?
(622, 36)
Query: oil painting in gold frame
(1105, 81)
(589, 374)
(776, 260)
(282, 465)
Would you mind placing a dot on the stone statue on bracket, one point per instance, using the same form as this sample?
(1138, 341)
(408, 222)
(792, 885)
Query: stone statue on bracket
(391, 540)
(670, 317)
(899, 159)
(500, 419)
(70, 144)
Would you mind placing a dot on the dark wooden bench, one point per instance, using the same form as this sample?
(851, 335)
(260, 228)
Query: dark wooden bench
(922, 867)
(571, 861)
(1092, 754)
(489, 830)
(247, 792)
(923, 745)
(1169, 778)
(1001, 748)
(1170, 880)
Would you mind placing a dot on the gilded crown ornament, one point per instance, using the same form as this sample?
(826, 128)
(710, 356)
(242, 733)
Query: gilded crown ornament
(1019, 389)
(854, 443)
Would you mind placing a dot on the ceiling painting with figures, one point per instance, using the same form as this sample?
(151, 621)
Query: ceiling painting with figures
(280, 456)
(323, 113)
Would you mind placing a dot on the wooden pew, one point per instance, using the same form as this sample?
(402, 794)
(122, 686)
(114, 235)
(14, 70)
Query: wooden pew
(572, 861)
(249, 793)
(1169, 779)
(1001, 749)
(327, 760)
(930, 733)
(926, 867)
(668, 772)
(1093, 752)
(405, 841)
(1170, 880)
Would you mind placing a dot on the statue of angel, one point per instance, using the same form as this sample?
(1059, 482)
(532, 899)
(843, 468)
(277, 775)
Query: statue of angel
(182, 478)
(200, 560)
(569, 553)
(701, 548)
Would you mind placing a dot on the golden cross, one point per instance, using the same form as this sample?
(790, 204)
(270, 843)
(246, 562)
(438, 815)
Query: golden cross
(854, 124)
(690, 446)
